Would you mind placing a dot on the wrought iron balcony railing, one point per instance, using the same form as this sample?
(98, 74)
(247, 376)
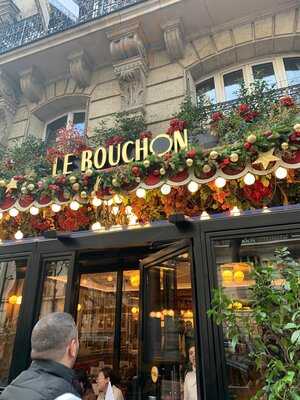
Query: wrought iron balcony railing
(31, 29)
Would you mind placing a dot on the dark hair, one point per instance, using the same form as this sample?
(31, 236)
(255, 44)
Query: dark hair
(82, 378)
(108, 373)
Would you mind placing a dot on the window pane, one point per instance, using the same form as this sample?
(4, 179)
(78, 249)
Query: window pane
(12, 275)
(236, 260)
(265, 72)
(292, 67)
(54, 290)
(169, 338)
(79, 122)
(208, 89)
(96, 320)
(52, 129)
(232, 83)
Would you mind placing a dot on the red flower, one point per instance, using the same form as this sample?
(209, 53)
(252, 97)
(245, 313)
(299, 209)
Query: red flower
(146, 135)
(136, 170)
(176, 124)
(226, 161)
(247, 145)
(53, 187)
(191, 153)
(258, 193)
(286, 101)
(217, 116)
(243, 108)
(114, 140)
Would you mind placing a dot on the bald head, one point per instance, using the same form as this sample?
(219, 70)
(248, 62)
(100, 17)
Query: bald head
(52, 336)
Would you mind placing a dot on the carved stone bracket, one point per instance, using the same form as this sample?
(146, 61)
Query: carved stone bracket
(174, 39)
(132, 79)
(8, 11)
(31, 83)
(80, 68)
(8, 106)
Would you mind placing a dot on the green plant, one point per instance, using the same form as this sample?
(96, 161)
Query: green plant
(272, 330)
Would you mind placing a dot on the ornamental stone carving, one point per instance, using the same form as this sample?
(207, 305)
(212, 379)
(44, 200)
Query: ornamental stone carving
(8, 11)
(31, 83)
(8, 106)
(80, 68)
(173, 37)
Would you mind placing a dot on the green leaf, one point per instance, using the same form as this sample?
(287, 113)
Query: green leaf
(295, 338)
(290, 325)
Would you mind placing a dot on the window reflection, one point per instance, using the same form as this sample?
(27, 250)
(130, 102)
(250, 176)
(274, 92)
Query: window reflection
(208, 89)
(292, 68)
(12, 275)
(265, 72)
(232, 84)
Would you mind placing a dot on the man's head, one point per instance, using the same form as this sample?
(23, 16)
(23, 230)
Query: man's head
(55, 337)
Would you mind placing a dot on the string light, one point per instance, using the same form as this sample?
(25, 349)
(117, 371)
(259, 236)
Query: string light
(13, 212)
(204, 216)
(56, 208)
(96, 202)
(281, 173)
(249, 179)
(118, 199)
(220, 182)
(96, 226)
(74, 205)
(34, 210)
(193, 187)
(235, 211)
(141, 193)
(19, 235)
(165, 189)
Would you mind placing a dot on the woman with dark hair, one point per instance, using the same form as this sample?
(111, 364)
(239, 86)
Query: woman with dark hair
(190, 381)
(83, 385)
(106, 377)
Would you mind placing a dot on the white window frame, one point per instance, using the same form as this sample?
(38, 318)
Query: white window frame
(278, 66)
(70, 119)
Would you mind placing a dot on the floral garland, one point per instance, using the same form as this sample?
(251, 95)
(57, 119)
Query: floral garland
(260, 169)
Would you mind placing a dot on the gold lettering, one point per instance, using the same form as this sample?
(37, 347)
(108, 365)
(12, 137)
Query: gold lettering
(180, 141)
(141, 147)
(100, 164)
(125, 157)
(67, 163)
(162, 136)
(54, 167)
(86, 160)
(112, 150)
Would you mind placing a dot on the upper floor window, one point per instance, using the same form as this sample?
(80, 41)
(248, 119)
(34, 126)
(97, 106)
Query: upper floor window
(77, 119)
(278, 72)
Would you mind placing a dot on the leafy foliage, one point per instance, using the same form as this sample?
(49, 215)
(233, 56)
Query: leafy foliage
(273, 328)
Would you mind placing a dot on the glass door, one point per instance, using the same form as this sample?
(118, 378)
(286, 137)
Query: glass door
(168, 350)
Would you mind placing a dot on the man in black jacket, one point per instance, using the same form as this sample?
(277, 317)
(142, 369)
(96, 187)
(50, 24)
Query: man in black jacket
(54, 344)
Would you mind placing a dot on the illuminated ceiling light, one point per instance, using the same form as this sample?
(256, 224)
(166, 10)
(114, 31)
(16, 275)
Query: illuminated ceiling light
(13, 212)
(96, 202)
(281, 173)
(56, 208)
(115, 210)
(235, 211)
(96, 226)
(135, 280)
(34, 210)
(110, 278)
(266, 209)
(141, 193)
(249, 179)
(204, 216)
(134, 310)
(13, 299)
(74, 205)
(118, 199)
(19, 300)
(128, 210)
(220, 182)
(193, 187)
(165, 189)
(19, 235)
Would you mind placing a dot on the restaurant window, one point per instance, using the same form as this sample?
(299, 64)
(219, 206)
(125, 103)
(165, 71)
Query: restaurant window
(77, 119)
(232, 84)
(292, 68)
(12, 276)
(207, 88)
(236, 260)
(265, 72)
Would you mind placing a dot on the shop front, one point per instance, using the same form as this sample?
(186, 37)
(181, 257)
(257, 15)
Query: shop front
(140, 297)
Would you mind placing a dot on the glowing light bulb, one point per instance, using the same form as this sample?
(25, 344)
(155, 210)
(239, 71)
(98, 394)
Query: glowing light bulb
(79, 307)
(74, 205)
(165, 189)
(128, 210)
(34, 210)
(220, 182)
(204, 216)
(19, 235)
(249, 179)
(96, 202)
(96, 226)
(19, 300)
(141, 193)
(56, 208)
(281, 173)
(115, 210)
(118, 199)
(266, 209)
(193, 187)
(235, 211)
(13, 212)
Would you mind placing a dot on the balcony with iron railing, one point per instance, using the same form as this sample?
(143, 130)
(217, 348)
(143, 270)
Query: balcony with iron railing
(29, 30)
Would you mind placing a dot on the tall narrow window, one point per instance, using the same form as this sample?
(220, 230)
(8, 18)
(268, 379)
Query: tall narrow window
(292, 68)
(208, 89)
(232, 84)
(265, 72)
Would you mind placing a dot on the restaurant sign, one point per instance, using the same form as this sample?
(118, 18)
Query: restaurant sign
(120, 154)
